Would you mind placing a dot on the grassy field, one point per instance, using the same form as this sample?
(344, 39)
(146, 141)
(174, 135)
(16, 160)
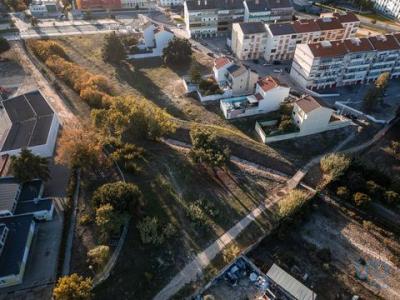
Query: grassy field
(170, 185)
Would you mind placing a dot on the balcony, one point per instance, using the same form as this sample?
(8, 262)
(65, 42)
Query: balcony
(239, 106)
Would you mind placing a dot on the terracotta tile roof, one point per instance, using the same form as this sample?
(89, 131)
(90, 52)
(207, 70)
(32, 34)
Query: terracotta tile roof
(346, 17)
(308, 103)
(305, 25)
(268, 83)
(328, 49)
(329, 23)
(221, 61)
(384, 42)
(358, 45)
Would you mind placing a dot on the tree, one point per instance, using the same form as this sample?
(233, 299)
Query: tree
(286, 125)
(395, 148)
(129, 119)
(73, 287)
(392, 198)
(334, 165)
(113, 50)
(207, 148)
(99, 255)
(374, 189)
(4, 45)
(195, 74)
(122, 196)
(291, 203)
(370, 100)
(27, 166)
(382, 81)
(79, 147)
(108, 221)
(34, 22)
(177, 52)
(361, 200)
(343, 192)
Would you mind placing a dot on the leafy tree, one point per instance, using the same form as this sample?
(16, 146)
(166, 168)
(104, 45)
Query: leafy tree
(92, 96)
(371, 100)
(392, 198)
(291, 203)
(79, 146)
(195, 74)
(17, 5)
(4, 45)
(395, 148)
(152, 232)
(334, 165)
(343, 192)
(73, 287)
(130, 119)
(27, 166)
(207, 148)
(382, 81)
(44, 49)
(286, 125)
(361, 200)
(99, 256)
(113, 50)
(128, 156)
(177, 52)
(122, 196)
(108, 221)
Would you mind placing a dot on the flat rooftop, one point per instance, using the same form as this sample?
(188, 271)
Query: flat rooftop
(13, 252)
(30, 207)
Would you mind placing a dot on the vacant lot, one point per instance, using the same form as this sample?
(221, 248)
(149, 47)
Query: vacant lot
(172, 186)
(358, 249)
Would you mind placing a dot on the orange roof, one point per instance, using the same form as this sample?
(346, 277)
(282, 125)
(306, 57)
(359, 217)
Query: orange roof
(329, 23)
(268, 83)
(384, 42)
(305, 25)
(328, 49)
(358, 45)
(346, 17)
(221, 61)
(308, 103)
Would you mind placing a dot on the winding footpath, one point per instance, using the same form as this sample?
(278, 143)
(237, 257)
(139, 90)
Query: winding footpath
(195, 268)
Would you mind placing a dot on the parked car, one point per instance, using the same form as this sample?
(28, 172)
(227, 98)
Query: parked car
(277, 70)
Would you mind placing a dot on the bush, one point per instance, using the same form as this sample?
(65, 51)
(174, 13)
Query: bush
(151, 231)
(93, 97)
(392, 198)
(361, 200)
(73, 287)
(99, 255)
(374, 189)
(85, 219)
(334, 165)
(286, 125)
(45, 49)
(291, 203)
(343, 192)
(286, 109)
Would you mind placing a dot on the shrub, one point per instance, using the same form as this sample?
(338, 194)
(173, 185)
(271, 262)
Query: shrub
(73, 287)
(108, 221)
(374, 189)
(196, 214)
(99, 255)
(45, 49)
(392, 198)
(85, 219)
(286, 109)
(286, 125)
(92, 96)
(334, 165)
(291, 203)
(151, 231)
(343, 192)
(361, 200)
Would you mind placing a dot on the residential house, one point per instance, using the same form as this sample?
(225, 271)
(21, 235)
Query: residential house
(268, 10)
(28, 121)
(390, 8)
(268, 96)
(155, 39)
(16, 234)
(220, 69)
(44, 8)
(241, 79)
(352, 61)
(248, 40)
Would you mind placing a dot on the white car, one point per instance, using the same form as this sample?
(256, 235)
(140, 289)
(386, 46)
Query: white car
(277, 70)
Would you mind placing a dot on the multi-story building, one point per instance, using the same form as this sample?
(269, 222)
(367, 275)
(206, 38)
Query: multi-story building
(208, 18)
(283, 37)
(352, 61)
(267, 10)
(248, 40)
(98, 4)
(388, 7)
(171, 2)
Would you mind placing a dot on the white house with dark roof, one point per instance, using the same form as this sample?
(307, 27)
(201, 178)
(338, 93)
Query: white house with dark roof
(28, 121)
(155, 39)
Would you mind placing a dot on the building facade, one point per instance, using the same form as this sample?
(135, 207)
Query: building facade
(249, 40)
(388, 7)
(268, 11)
(98, 4)
(352, 61)
(170, 2)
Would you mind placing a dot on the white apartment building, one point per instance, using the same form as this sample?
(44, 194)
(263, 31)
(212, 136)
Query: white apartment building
(267, 10)
(388, 7)
(47, 8)
(171, 2)
(352, 61)
(136, 3)
(249, 40)
(284, 37)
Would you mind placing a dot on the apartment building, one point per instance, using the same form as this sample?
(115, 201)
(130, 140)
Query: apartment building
(283, 37)
(249, 40)
(388, 7)
(170, 2)
(268, 10)
(351, 61)
(209, 18)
